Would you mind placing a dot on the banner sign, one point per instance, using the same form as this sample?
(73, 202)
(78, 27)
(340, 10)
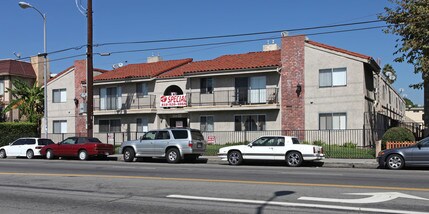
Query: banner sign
(173, 101)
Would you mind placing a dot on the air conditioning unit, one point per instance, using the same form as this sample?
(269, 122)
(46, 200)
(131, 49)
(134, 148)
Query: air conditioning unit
(82, 108)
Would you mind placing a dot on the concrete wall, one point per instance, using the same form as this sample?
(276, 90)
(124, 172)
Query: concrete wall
(349, 99)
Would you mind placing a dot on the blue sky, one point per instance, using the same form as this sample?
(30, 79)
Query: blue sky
(141, 20)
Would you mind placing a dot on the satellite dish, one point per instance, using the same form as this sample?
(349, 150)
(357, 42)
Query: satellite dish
(115, 66)
(401, 90)
(120, 64)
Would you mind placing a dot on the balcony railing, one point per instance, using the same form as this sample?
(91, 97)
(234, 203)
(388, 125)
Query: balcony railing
(239, 96)
(125, 102)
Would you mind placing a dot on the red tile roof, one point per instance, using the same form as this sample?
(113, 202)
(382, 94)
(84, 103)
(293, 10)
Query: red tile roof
(67, 69)
(251, 60)
(142, 70)
(339, 50)
(17, 68)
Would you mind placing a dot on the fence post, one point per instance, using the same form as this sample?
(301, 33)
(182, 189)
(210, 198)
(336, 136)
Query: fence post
(114, 139)
(377, 147)
(363, 135)
(329, 139)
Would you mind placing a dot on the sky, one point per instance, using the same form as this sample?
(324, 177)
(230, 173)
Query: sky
(143, 20)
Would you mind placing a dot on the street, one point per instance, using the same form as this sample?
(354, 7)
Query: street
(96, 186)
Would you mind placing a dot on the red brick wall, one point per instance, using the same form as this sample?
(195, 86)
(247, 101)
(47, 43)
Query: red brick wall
(292, 74)
(80, 75)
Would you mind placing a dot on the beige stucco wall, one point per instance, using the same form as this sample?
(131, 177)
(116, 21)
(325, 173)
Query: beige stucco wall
(348, 99)
(62, 111)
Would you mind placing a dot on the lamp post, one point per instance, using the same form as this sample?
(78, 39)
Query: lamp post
(25, 5)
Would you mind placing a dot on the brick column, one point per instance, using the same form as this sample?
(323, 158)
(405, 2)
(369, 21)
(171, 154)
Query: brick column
(80, 75)
(292, 75)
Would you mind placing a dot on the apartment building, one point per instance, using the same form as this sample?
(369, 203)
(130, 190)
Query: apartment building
(301, 85)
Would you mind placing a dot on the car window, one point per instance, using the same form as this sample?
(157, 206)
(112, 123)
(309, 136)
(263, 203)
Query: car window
(30, 141)
(45, 142)
(93, 140)
(196, 135)
(280, 141)
(263, 141)
(424, 142)
(149, 136)
(162, 135)
(69, 141)
(19, 142)
(180, 134)
(295, 141)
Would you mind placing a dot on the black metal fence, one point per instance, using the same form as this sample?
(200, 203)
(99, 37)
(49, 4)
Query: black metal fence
(350, 143)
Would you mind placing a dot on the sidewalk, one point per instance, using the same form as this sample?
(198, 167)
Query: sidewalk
(328, 163)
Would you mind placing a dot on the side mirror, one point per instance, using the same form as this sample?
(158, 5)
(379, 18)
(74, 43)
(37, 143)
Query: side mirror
(249, 145)
(141, 138)
(419, 146)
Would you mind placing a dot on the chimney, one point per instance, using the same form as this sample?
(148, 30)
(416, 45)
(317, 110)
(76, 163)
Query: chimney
(270, 46)
(152, 58)
(38, 66)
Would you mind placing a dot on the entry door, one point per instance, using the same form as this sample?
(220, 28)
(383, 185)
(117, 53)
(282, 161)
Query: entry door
(241, 90)
(179, 122)
(258, 93)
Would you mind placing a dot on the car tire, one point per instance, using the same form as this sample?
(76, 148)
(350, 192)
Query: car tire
(294, 159)
(3, 154)
(173, 156)
(29, 154)
(395, 162)
(49, 154)
(129, 155)
(235, 158)
(83, 155)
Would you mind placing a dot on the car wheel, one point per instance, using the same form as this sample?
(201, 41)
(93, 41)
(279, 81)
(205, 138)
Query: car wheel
(83, 155)
(129, 155)
(395, 161)
(30, 154)
(3, 154)
(49, 154)
(235, 158)
(294, 159)
(173, 156)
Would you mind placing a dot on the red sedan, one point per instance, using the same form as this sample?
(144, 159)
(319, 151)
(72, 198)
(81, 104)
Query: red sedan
(81, 147)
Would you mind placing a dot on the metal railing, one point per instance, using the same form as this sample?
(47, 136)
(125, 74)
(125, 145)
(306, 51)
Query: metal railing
(131, 101)
(239, 96)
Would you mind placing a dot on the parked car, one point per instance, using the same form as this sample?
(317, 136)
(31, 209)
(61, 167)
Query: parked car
(284, 148)
(81, 147)
(174, 144)
(24, 147)
(398, 158)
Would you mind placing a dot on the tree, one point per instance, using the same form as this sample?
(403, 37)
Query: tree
(28, 100)
(390, 73)
(409, 103)
(409, 20)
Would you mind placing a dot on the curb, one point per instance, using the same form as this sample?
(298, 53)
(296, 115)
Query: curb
(327, 163)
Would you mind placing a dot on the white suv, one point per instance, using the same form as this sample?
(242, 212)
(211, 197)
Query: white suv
(24, 147)
(174, 144)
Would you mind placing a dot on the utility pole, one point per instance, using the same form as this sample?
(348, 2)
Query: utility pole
(89, 74)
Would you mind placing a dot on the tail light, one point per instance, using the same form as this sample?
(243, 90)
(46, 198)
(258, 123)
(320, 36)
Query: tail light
(314, 150)
(321, 150)
(190, 144)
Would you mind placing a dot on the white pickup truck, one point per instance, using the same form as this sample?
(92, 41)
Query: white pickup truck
(285, 148)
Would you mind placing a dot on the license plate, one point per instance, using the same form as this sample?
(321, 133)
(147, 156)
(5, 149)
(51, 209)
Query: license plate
(200, 145)
(106, 153)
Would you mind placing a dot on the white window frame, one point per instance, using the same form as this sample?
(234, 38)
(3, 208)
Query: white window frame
(62, 95)
(142, 89)
(110, 126)
(337, 120)
(2, 87)
(104, 98)
(259, 126)
(63, 126)
(206, 127)
(142, 122)
(334, 77)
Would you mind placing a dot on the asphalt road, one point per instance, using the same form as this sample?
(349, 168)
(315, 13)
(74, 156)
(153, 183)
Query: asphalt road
(71, 186)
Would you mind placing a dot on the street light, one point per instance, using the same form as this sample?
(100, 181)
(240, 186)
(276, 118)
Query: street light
(25, 5)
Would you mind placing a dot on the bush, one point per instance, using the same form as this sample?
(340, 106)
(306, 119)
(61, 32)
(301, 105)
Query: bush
(349, 145)
(9, 132)
(318, 143)
(396, 134)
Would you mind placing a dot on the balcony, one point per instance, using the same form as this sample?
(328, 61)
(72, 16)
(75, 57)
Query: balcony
(130, 102)
(233, 98)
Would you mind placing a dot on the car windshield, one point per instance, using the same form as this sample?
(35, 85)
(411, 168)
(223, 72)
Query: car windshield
(196, 135)
(45, 142)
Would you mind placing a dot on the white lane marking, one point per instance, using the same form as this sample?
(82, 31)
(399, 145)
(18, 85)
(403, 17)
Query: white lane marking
(289, 204)
(375, 197)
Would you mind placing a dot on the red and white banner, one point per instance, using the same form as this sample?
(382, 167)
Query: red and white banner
(173, 101)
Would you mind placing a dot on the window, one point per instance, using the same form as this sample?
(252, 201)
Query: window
(206, 85)
(107, 126)
(207, 123)
(332, 77)
(180, 134)
(162, 135)
(329, 121)
(45, 142)
(19, 142)
(142, 90)
(71, 141)
(1, 87)
(110, 98)
(249, 123)
(142, 125)
(30, 141)
(60, 126)
(59, 95)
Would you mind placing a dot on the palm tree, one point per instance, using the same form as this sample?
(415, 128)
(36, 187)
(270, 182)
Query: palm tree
(28, 100)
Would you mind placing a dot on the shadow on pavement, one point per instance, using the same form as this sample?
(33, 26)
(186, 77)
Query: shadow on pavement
(277, 163)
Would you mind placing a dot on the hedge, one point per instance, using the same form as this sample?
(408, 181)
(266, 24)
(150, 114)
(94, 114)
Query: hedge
(10, 131)
(396, 134)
